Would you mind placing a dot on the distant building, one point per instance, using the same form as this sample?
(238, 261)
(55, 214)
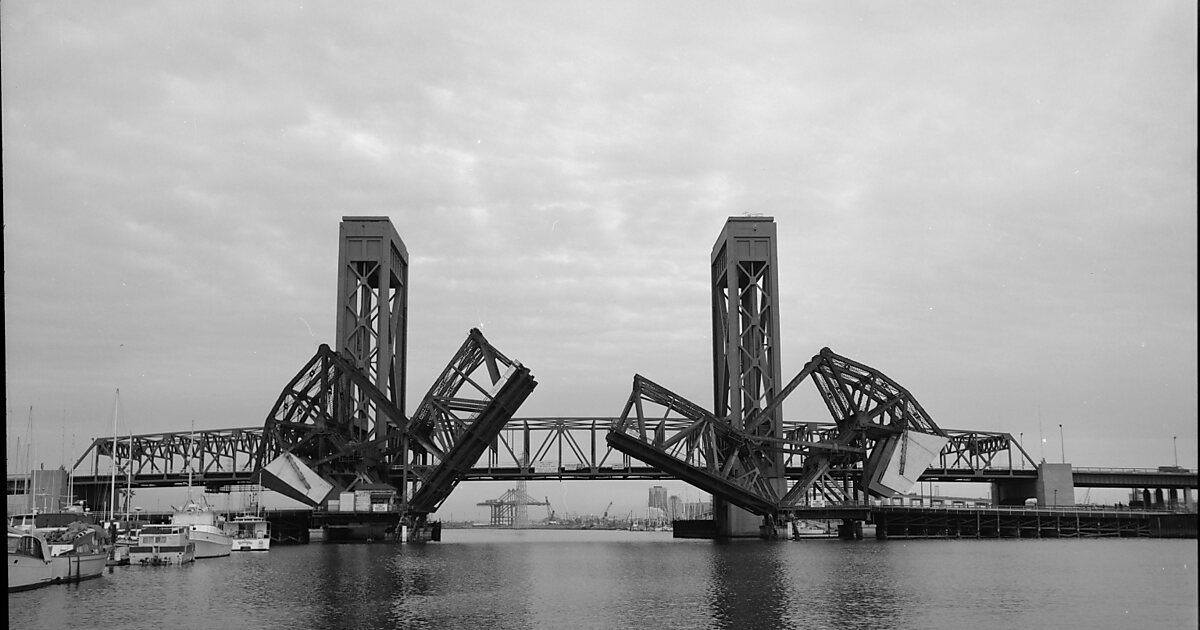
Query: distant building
(697, 510)
(43, 490)
(674, 507)
(658, 498)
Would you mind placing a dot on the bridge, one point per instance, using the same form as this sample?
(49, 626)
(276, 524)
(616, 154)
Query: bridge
(341, 423)
(559, 449)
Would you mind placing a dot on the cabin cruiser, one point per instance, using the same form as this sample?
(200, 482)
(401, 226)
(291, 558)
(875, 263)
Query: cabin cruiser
(250, 532)
(163, 544)
(205, 529)
(76, 553)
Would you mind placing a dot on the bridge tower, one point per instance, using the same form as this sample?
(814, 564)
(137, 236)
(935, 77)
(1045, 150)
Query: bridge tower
(746, 360)
(372, 316)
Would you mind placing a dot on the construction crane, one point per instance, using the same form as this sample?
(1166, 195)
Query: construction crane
(605, 517)
(549, 519)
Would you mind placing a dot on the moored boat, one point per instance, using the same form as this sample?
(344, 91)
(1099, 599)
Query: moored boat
(163, 544)
(249, 532)
(78, 551)
(205, 529)
(33, 561)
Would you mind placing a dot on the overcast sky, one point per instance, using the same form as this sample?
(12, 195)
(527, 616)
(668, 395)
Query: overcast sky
(993, 203)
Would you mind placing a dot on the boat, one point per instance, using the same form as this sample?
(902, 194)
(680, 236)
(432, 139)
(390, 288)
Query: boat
(249, 532)
(163, 544)
(203, 523)
(29, 564)
(808, 529)
(33, 561)
(205, 529)
(83, 549)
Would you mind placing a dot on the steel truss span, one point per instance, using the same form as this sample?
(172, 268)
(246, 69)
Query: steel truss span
(574, 448)
(559, 448)
(459, 418)
(869, 410)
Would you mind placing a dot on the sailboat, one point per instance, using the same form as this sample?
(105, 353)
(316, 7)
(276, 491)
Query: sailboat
(118, 554)
(203, 521)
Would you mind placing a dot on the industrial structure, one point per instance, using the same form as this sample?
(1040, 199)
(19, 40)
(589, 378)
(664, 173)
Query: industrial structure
(511, 509)
(341, 426)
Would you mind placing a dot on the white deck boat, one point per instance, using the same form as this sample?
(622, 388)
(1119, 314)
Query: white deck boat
(163, 544)
(249, 532)
(205, 529)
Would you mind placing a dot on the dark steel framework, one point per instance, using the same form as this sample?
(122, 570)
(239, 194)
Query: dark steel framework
(321, 418)
(746, 367)
(867, 408)
(575, 449)
(372, 317)
(326, 416)
(459, 418)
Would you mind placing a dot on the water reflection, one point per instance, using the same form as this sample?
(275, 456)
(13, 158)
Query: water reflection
(747, 584)
(580, 579)
(862, 587)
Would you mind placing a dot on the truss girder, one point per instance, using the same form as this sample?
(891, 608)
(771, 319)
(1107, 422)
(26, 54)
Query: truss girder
(221, 451)
(707, 453)
(736, 464)
(459, 418)
(326, 416)
(562, 448)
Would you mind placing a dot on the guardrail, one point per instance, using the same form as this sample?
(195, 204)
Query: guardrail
(1122, 509)
(1136, 471)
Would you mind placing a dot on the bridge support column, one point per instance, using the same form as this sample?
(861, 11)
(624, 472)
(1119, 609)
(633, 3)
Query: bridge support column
(372, 316)
(1055, 485)
(746, 363)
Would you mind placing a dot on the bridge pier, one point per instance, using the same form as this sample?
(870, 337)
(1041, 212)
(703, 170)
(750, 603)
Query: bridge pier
(1055, 485)
(850, 529)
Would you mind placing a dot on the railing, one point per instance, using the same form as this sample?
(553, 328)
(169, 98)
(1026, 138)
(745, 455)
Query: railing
(1135, 471)
(1104, 509)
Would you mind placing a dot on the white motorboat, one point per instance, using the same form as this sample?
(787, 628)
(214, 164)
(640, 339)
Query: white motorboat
(206, 529)
(163, 544)
(250, 532)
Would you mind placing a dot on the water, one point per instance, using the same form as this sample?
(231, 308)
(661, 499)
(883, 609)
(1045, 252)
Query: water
(614, 579)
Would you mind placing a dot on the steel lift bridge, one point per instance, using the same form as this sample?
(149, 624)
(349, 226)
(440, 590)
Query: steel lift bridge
(737, 453)
(340, 423)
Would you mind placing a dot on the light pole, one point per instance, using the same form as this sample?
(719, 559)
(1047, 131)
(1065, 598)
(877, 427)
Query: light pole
(1022, 443)
(1062, 445)
(1175, 447)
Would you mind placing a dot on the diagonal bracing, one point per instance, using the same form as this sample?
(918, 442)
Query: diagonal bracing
(711, 453)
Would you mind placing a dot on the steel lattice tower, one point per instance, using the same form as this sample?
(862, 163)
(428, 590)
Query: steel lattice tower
(372, 318)
(746, 363)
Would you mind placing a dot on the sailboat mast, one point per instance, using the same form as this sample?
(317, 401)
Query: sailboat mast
(112, 492)
(29, 461)
(71, 478)
(129, 476)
